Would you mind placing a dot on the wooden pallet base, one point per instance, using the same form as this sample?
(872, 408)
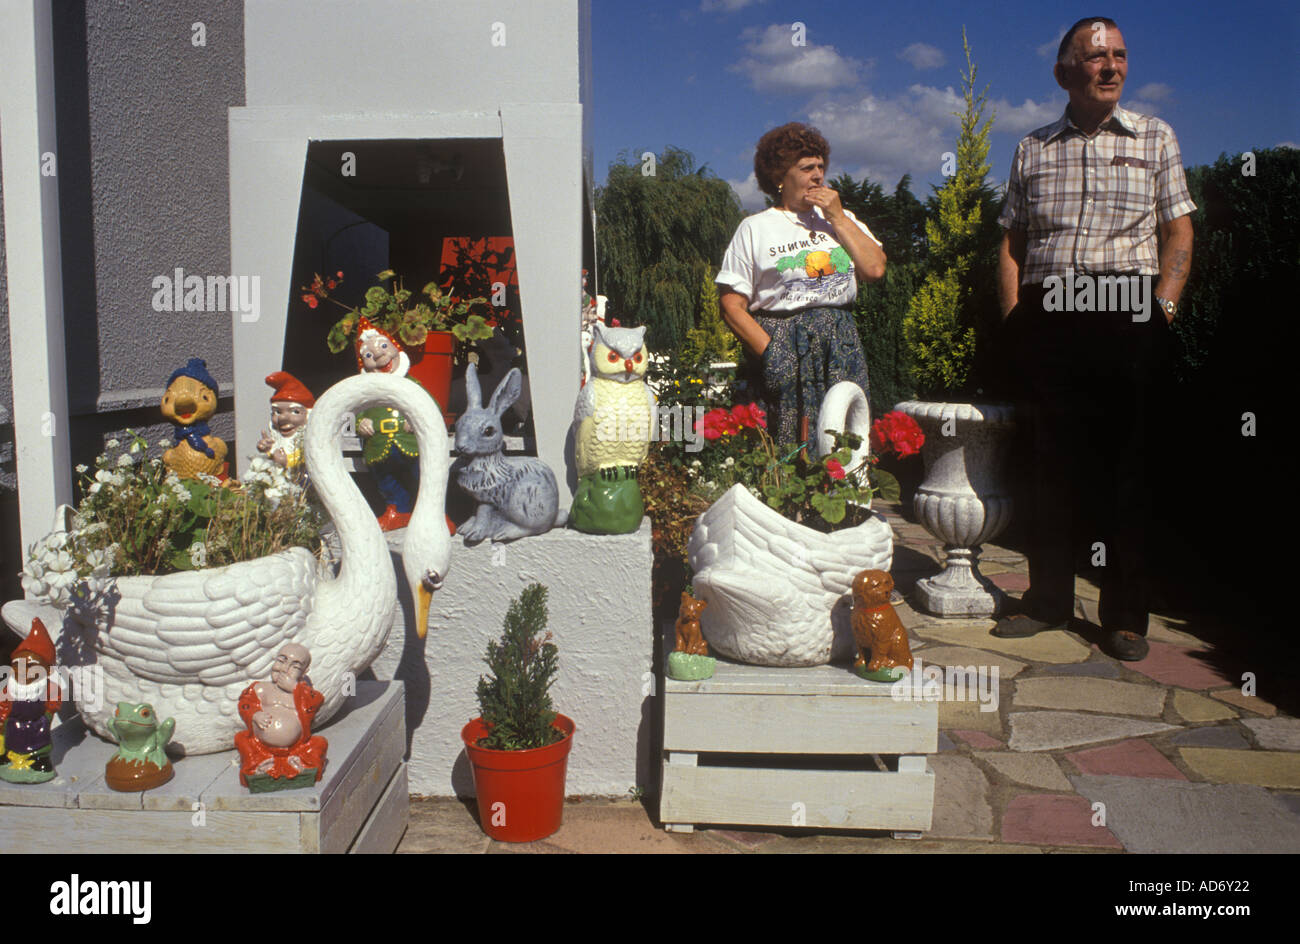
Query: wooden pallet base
(360, 804)
(751, 746)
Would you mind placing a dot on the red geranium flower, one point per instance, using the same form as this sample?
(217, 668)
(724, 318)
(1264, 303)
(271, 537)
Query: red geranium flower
(834, 469)
(310, 300)
(897, 432)
(716, 423)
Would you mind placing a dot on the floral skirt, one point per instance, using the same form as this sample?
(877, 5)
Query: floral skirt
(810, 352)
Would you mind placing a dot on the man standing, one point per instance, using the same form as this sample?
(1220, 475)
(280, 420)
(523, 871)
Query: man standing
(1096, 252)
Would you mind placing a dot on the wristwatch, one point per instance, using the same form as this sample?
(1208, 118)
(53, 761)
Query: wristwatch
(1170, 307)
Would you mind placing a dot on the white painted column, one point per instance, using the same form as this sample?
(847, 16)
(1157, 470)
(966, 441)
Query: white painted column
(543, 150)
(31, 218)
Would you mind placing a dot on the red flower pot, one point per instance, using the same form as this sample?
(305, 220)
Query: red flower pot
(520, 793)
(431, 365)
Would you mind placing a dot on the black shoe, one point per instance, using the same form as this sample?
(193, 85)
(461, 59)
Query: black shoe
(1126, 646)
(1020, 625)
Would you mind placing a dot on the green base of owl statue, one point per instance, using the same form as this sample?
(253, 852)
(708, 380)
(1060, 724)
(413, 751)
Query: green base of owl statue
(608, 502)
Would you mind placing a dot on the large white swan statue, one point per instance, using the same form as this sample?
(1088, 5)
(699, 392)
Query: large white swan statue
(190, 642)
(777, 589)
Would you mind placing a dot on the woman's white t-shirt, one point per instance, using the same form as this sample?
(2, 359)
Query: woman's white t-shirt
(782, 261)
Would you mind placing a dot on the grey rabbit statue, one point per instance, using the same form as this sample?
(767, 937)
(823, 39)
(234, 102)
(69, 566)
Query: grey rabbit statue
(517, 495)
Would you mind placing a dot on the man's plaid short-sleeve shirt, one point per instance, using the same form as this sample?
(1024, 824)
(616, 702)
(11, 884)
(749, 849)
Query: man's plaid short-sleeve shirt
(1094, 204)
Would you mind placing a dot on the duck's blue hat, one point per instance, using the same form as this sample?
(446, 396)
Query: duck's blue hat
(198, 369)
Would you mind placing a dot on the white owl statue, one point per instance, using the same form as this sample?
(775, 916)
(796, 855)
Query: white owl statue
(611, 432)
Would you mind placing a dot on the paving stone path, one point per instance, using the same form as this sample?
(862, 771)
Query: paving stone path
(1083, 753)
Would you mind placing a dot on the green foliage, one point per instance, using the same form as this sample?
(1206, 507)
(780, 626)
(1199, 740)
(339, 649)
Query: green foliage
(391, 310)
(712, 340)
(940, 326)
(515, 700)
(880, 310)
(1245, 265)
(657, 237)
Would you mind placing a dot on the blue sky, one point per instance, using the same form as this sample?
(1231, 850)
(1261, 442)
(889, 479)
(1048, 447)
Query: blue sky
(880, 80)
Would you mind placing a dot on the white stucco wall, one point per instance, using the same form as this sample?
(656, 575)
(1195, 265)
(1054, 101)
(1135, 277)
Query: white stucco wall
(600, 616)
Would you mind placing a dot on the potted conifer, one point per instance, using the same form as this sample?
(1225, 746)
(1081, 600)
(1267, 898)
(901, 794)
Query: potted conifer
(519, 746)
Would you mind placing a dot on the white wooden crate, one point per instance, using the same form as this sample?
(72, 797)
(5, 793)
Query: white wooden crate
(359, 805)
(793, 715)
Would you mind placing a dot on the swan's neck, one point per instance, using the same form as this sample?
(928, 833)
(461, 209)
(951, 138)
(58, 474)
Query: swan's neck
(365, 590)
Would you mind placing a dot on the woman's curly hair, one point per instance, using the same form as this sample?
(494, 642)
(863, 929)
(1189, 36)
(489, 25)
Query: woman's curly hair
(780, 148)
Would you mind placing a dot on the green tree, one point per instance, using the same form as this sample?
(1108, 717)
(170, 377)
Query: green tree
(712, 339)
(940, 326)
(657, 237)
(515, 700)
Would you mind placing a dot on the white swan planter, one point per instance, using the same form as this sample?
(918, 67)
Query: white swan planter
(190, 642)
(773, 585)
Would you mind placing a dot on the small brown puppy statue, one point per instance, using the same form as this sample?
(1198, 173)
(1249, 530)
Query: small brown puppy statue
(691, 661)
(878, 630)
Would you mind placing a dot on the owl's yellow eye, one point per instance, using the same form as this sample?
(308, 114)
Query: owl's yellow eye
(613, 357)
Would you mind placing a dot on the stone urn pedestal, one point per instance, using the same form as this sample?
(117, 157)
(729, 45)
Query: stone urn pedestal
(964, 500)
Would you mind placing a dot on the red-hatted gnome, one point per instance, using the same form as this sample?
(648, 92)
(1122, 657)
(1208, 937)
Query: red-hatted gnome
(390, 450)
(291, 403)
(278, 743)
(27, 703)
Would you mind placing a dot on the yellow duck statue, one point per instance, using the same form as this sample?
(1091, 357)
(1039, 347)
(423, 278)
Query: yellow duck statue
(190, 398)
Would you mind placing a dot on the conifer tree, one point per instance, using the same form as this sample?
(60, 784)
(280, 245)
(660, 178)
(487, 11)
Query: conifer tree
(515, 701)
(940, 322)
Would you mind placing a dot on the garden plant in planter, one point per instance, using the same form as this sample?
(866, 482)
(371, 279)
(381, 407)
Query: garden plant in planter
(519, 746)
(964, 500)
(426, 325)
(183, 592)
(775, 555)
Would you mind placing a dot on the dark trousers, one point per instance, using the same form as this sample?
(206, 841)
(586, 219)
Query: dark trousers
(1091, 387)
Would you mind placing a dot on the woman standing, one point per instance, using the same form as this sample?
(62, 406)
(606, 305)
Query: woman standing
(789, 280)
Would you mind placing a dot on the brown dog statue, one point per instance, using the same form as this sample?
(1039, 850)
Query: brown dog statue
(877, 629)
(691, 661)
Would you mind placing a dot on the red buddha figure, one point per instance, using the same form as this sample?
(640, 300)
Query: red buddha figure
(279, 742)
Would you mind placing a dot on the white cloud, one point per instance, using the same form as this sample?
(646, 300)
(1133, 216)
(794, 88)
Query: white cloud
(1140, 107)
(751, 198)
(886, 136)
(1049, 48)
(726, 6)
(774, 64)
(1155, 92)
(923, 56)
(1023, 118)
(1288, 144)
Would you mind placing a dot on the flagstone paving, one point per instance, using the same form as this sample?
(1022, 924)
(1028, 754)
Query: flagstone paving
(1164, 755)
(1276, 734)
(1218, 736)
(1179, 665)
(1034, 770)
(1090, 694)
(1265, 768)
(1235, 696)
(1131, 758)
(1055, 820)
(1170, 816)
(1193, 707)
(1050, 730)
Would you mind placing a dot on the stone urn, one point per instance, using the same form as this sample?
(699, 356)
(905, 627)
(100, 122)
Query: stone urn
(964, 500)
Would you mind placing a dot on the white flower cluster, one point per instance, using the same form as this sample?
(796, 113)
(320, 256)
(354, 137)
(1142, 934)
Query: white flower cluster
(272, 481)
(51, 573)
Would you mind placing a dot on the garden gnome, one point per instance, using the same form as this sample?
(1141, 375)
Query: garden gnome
(27, 703)
(278, 750)
(140, 762)
(390, 451)
(290, 404)
(188, 401)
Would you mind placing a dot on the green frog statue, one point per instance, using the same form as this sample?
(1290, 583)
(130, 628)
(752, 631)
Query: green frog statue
(141, 762)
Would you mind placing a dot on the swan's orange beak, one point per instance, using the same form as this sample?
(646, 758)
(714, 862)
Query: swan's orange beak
(423, 597)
